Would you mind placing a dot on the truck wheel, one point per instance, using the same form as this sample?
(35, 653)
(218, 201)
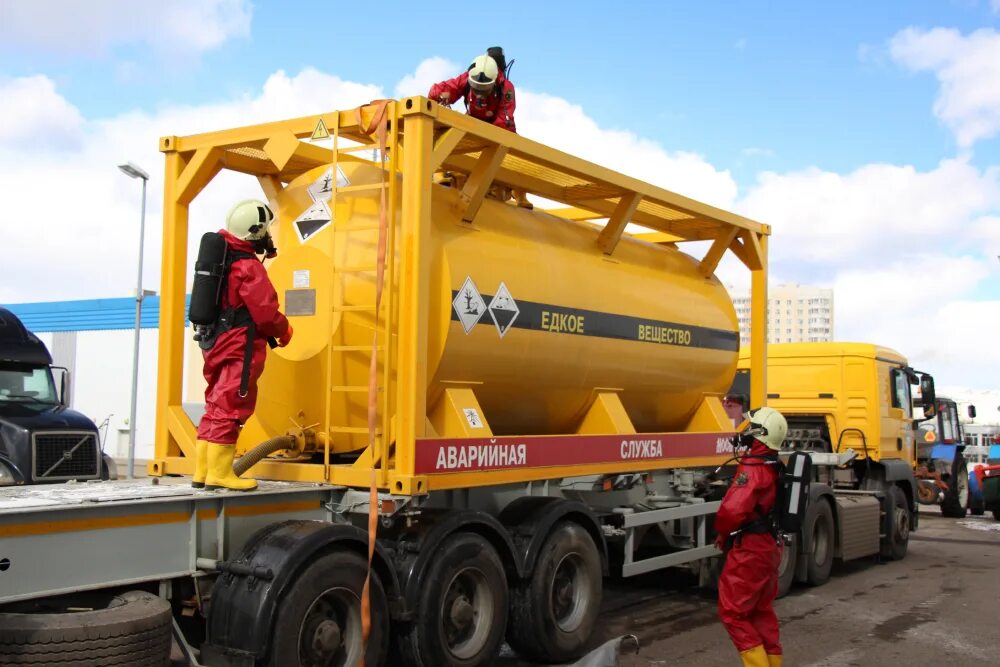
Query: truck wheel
(956, 498)
(820, 539)
(896, 525)
(786, 568)
(318, 621)
(996, 513)
(552, 614)
(129, 629)
(462, 612)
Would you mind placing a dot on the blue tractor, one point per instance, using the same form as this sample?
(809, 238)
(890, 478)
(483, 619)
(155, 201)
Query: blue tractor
(941, 471)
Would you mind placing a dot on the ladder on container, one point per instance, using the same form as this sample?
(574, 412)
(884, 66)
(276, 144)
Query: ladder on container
(382, 314)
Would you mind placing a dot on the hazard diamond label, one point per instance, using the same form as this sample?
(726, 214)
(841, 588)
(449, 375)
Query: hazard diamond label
(322, 188)
(503, 309)
(469, 305)
(313, 219)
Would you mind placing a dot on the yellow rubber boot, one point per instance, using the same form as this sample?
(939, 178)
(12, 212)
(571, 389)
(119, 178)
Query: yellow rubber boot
(200, 464)
(220, 470)
(755, 657)
(773, 660)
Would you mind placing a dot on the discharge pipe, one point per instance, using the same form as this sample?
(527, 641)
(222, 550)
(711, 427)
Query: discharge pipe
(258, 453)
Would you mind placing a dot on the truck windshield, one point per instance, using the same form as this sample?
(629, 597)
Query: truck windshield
(27, 385)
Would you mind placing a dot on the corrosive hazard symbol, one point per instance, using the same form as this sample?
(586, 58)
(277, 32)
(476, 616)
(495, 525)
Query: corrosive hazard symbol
(469, 305)
(503, 309)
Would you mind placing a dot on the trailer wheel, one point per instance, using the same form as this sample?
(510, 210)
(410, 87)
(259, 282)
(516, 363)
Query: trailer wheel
(896, 525)
(787, 566)
(462, 612)
(129, 629)
(996, 513)
(956, 498)
(318, 621)
(552, 614)
(819, 541)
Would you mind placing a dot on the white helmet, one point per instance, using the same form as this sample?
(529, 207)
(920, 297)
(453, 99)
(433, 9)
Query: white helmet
(483, 74)
(767, 425)
(249, 220)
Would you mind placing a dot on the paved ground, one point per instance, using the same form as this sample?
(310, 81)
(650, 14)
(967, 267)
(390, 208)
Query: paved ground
(938, 606)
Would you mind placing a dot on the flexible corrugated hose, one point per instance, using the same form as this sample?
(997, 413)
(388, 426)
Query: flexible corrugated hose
(257, 454)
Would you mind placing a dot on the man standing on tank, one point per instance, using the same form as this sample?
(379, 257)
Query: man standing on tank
(488, 95)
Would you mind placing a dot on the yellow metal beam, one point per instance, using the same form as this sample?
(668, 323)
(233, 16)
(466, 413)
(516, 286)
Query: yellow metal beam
(660, 238)
(272, 187)
(758, 328)
(285, 150)
(199, 172)
(171, 332)
(414, 278)
(612, 232)
(714, 255)
(754, 251)
(480, 180)
(443, 147)
(573, 213)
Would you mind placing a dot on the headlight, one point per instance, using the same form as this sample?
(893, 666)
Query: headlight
(6, 476)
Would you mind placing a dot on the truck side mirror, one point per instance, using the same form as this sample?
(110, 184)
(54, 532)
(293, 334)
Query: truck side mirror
(64, 385)
(928, 396)
(972, 412)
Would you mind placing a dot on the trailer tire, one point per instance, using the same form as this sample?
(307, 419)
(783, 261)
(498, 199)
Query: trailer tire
(553, 612)
(320, 615)
(896, 525)
(996, 513)
(956, 498)
(787, 565)
(820, 540)
(461, 615)
(131, 629)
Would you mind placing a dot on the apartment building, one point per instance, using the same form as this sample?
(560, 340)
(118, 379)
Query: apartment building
(796, 314)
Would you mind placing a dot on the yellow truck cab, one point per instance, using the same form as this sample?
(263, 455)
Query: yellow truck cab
(852, 396)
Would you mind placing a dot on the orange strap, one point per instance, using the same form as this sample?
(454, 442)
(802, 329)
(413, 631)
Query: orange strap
(379, 125)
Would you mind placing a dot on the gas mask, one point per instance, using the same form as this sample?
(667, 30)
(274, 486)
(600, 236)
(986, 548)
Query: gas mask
(265, 246)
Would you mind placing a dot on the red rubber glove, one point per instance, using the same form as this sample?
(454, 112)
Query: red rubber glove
(287, 338)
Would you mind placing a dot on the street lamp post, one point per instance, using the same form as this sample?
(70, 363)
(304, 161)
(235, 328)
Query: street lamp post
(133, 171)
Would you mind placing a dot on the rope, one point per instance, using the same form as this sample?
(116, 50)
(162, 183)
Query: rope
(378, 125)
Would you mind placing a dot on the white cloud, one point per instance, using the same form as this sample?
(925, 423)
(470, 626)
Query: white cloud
(968, 70)
(34, 115)
(565, 126)
(827, 219)
(428, 72)
(76, 234)
(179, 26)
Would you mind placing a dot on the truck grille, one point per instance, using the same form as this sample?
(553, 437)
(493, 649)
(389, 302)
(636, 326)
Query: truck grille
(66, 455)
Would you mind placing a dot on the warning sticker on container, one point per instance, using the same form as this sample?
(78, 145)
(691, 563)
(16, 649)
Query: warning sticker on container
(472, 416)
(322, 189)
(469, 305)
(503, 309)
(300, 279)
(313, 219)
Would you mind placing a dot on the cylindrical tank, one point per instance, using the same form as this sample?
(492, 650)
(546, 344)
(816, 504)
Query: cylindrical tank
(524, 309)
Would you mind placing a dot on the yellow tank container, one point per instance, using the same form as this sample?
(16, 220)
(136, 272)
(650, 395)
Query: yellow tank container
(524, 309)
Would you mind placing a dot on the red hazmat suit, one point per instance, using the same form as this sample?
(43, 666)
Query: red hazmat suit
(247, 285)
(496, 108)
(749, 581)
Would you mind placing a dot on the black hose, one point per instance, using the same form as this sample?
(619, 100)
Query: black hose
(257, 454)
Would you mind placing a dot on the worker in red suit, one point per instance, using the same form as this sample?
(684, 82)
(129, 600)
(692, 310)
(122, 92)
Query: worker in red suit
(234, 356)
(747, 533)
(488, 95)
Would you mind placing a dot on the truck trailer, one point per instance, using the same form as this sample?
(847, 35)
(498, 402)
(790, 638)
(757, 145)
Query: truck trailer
(485, 410)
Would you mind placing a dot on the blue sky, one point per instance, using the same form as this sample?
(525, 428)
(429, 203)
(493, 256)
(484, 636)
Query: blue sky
(796, 85)
(866, 133)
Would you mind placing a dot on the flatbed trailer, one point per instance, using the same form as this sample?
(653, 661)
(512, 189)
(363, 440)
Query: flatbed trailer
(484, 529)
